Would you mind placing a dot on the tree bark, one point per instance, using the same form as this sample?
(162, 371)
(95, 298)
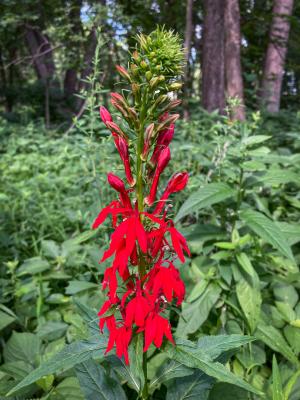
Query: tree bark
(187, 46)
(275, 56)
(213, 85)
(41, 52)
(233, 69)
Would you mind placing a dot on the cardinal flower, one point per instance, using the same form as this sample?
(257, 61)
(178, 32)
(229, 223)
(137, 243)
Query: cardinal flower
(166, 281)
(120, 337)
(137, 310)
(177, 183)
(163, 161)
(156, 327)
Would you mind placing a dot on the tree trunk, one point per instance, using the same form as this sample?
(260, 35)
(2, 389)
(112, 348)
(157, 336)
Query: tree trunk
(41, 52)
(187, 46)
(213, 85)
(275, 56)
(233, 70)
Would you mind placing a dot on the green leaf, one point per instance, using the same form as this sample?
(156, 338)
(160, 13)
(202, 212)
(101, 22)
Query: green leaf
(71, 355)
(33, 266)
(225, 391)
(22, 347)
(292, 335)
(267, 230)
(247, 266)
(274, 339)
(96, 384)
(79, 286)
(277, 383)
(200, 307)
(193, 387)
(169, 370)
(68, 389)
(255, 139)
(5, 319)
(290, 384)
(215, 346)
(50, 248)
(250, 300)
(291, 232)
(286, 293)
(192, 356)
(206, 196)
(89, 315)
(52, 330)
(278, 177)
(132, 373)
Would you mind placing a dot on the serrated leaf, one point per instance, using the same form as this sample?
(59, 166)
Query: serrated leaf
(214, 346)
(190, 355)
(194, 387)
(96, 384)
(169, 370)
(252, 140)
(22, 347)
(206, 196)
(80, 286)
(267, 230)
(33, 266)
(71, 355)
(249, 298)
(89, 315)
(50, 248)
(273, 338)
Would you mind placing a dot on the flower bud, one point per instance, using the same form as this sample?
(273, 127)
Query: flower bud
(134, 69)
(175, 86)
(149, 133)
(105, 115)
(135, 55)
(117, 184)
(123, 72)
(115, 128)
(148, 75)
(162, 162)
(143, 64)
(171, 119)
(135, 88)
(154, 82)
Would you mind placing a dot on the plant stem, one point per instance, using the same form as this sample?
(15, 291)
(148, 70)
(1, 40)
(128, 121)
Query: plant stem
(140, 203)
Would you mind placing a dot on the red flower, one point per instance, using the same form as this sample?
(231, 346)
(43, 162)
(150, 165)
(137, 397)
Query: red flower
(121, 338)
(122, 147)
(163, 161)
(119, 186)
(137, 310)
(123, 72)
(164, 138)
(177, 183)
(166, 281)
(105, 115)
(156, 327)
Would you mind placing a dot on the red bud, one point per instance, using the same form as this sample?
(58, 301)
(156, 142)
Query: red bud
(105, 115)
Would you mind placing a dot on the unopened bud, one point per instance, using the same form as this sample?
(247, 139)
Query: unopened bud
(135, 88)
(154, 82)
(175, 86)
(123, 72)
(148, 75)
(134, 69)
(143, 64)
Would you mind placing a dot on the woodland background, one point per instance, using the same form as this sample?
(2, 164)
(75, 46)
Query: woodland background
(239, 138)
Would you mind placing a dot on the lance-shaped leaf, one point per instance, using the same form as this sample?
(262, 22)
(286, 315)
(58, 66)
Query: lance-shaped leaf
(71, 355)
(267, 230)
(192, 356)
(206, 196)
(96, 384)
(193, 387)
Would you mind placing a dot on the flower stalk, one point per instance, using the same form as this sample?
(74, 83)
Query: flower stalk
(144, 241)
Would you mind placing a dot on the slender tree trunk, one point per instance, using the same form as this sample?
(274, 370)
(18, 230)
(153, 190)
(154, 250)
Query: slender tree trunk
(187, 46)
(213, 85)
(275, 56)
(233, 69)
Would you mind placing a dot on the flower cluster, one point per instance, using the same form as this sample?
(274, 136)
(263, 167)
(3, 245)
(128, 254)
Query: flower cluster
(142, 280)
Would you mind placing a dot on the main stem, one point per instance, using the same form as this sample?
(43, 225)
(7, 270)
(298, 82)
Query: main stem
(140, 203)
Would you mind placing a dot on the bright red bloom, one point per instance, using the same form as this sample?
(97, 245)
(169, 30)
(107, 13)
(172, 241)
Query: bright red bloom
(163, 161)
(137, 310)
(166, 281)
(156, 327)
(121, 338)
(177, 183)
(105, 115)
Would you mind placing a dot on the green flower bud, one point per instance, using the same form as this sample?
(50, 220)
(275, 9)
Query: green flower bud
(148, 75)
(175, 86)
(161, 78)
(154, 82)
(143, 64)
(152, 54)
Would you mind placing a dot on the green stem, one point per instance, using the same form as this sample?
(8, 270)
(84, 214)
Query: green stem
(140, 202)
